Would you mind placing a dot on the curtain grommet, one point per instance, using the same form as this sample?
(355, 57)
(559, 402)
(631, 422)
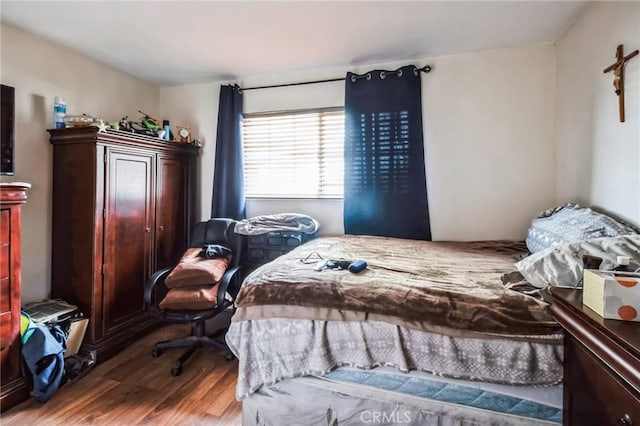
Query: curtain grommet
(382, 75)
(415, 71)
(353, 78)
(399, 73)
(368, 76)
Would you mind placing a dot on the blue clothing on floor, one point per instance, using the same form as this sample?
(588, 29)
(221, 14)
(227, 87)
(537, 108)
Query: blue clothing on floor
(43, 353)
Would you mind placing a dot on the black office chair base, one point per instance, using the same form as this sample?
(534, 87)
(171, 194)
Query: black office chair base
(192, 343)
(220, 231)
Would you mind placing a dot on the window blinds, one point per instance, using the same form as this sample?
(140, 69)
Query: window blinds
(295, 154)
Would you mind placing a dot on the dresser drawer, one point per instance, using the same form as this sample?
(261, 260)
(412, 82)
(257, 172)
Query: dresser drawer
(598, 395)
(5, 296)
(7, 336)
(5, 258)
(4, 226)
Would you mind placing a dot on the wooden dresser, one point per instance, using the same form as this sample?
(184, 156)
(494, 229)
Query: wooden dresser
(13, 388)
(601, 366)
(122, 209)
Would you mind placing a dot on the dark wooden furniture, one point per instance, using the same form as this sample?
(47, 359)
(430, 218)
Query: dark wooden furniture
(122, 208)
(266, 247)
(601, 365)
(13, 388)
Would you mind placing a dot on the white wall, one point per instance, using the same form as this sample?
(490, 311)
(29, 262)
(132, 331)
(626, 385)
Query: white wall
(40, 70)
(196, 106)
(488, 120)
(599, 157)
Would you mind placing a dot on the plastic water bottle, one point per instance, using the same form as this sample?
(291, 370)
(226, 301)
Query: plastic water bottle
(167, 130)
(59, 111)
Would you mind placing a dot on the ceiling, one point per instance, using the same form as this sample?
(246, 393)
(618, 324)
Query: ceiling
(173, 42)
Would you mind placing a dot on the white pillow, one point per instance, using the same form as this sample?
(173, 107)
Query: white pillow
(561, 265)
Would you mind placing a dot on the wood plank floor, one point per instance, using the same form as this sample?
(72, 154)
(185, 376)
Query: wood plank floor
(134, 388)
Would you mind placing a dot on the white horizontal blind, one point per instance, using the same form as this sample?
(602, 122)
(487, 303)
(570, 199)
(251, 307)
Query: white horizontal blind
(295, 154)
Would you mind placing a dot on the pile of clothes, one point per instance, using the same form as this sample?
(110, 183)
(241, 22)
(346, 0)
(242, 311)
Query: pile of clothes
(43, 349)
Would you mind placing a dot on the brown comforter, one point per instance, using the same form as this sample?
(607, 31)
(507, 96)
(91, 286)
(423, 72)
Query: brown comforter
(453, 285)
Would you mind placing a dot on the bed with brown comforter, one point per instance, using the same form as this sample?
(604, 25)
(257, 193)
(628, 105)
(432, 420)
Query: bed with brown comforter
(456, 285)
(420, 306)
(440, 307)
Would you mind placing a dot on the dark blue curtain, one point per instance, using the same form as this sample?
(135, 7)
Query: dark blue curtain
(228, 175)
(385, 185)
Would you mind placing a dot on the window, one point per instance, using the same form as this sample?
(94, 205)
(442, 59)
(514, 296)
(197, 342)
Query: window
(295, 154)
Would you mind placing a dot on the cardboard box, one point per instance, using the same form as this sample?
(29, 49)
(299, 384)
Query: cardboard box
(612, 295)
(77, 329)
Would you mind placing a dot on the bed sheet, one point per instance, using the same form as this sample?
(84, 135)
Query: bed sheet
(275, 349)
(349, 396)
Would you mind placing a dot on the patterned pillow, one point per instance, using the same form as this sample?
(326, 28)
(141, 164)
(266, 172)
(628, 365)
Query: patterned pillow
(569, 223)
(195, 270)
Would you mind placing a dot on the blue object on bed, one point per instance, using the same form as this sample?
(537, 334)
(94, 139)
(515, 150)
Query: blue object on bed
(449, 392)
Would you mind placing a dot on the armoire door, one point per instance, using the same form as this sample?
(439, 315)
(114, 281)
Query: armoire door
(128, 235)
(172, 210)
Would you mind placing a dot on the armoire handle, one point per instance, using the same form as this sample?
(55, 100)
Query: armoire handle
(161, 228)
(147, 230)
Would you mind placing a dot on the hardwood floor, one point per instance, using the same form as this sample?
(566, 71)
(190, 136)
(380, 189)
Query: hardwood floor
(133, 388)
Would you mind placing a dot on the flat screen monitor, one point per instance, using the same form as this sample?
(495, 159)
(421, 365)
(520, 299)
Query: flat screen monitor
(7, 127)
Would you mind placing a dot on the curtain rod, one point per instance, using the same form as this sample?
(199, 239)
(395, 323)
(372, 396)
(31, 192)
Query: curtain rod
(424, 69)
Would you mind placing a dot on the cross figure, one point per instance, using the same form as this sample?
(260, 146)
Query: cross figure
(618, 76)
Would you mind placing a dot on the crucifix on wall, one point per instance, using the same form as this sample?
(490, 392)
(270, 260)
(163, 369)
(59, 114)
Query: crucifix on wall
(618, 76)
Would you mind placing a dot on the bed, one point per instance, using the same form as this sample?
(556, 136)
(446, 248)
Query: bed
(427, 334)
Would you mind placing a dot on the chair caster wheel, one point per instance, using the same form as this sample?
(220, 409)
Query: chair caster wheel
(229, 356)
(156, 352)
(176, 370)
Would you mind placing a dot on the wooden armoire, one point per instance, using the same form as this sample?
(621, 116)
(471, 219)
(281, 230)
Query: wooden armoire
(122, 209)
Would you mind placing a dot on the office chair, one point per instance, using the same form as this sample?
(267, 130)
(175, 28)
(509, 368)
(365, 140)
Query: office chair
(213, 231)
